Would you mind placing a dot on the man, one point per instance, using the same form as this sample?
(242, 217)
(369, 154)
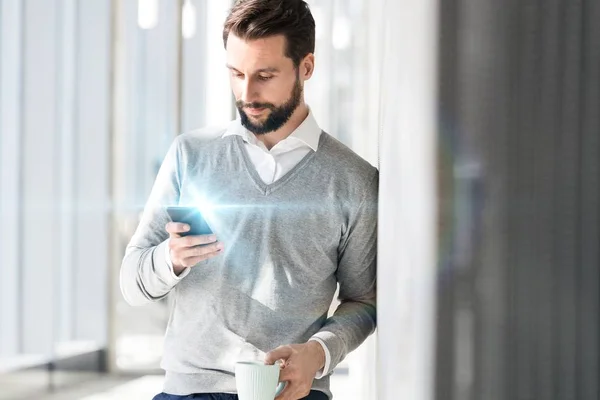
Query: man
(293, 213)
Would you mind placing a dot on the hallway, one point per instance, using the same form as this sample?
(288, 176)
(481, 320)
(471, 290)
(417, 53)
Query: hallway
(482, 117)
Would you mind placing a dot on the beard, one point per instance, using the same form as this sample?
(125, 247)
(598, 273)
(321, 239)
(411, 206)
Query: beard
(278, 115)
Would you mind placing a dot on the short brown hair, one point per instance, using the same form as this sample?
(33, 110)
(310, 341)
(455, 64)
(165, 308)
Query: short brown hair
(256, 19)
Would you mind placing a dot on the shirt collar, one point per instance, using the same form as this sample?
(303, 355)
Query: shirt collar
(308, 132)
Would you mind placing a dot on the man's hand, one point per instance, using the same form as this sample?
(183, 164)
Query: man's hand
(188, 251)
(301, 364)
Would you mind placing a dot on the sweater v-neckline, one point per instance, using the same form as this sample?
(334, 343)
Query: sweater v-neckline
(263, 187)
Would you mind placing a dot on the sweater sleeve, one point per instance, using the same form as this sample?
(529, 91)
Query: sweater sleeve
(355, 318)
(146, 275)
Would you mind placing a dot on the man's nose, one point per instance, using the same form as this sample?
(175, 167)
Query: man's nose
(249, 92)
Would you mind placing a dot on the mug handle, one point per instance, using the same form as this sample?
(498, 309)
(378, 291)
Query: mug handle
(280, 388)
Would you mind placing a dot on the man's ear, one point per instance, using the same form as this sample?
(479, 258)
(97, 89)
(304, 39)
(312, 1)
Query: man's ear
(307, 67)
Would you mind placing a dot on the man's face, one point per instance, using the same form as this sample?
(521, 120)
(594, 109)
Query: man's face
(266, 85)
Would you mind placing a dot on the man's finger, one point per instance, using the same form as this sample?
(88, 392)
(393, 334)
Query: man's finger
(191, 261)
(194, 241)
(202, 240)
(280, 353)
(287, 375)
(200, 251)
(177, 227)
(206, 249)
(287, 392)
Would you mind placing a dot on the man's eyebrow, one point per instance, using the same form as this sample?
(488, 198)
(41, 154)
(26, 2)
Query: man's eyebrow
(269, 69)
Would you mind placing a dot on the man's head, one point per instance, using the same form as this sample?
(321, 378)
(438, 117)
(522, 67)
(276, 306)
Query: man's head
(270, 46)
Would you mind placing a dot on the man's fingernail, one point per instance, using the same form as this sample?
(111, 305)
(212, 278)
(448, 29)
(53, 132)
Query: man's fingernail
(212, 238)
(185, 227)
(220, 246)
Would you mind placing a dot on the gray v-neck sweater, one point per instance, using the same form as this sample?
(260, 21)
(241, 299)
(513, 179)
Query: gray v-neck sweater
(287, 245)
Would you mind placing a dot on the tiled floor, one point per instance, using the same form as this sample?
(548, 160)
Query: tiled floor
(144, 388)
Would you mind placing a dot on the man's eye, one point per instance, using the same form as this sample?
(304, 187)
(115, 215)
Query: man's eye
(264, 78)
(237, 75)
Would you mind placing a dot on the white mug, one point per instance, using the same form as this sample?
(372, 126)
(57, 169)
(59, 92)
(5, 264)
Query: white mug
(256, 381)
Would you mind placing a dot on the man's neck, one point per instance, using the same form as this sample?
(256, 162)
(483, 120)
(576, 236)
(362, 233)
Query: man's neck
(272, 138)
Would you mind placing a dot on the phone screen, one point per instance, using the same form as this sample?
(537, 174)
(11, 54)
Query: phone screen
(191, 216)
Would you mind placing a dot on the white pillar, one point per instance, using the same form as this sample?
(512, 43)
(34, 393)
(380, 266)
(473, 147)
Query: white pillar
(194, 73)
(407, 228)
(66, 116)
(366, 87)
(92, 180)
(10, 157)
(38, 243)
(218, 100)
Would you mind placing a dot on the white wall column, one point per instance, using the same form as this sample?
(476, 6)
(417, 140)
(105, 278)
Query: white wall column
(11, 40)
(407, 228)
(38, 242)
(92, 147)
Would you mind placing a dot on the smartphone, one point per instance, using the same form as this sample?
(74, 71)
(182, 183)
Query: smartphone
(191, 216)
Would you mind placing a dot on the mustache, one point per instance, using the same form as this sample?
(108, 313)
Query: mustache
(240, 104)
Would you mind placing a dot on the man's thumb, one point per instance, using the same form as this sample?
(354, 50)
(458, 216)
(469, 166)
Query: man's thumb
(280, 353)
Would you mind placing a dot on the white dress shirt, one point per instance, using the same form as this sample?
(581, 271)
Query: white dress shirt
(272, 165)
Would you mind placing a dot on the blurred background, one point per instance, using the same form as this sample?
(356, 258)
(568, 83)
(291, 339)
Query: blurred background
(483, 118)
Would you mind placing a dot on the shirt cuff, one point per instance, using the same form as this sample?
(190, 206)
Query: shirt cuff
(323, 372)
(170, 264)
